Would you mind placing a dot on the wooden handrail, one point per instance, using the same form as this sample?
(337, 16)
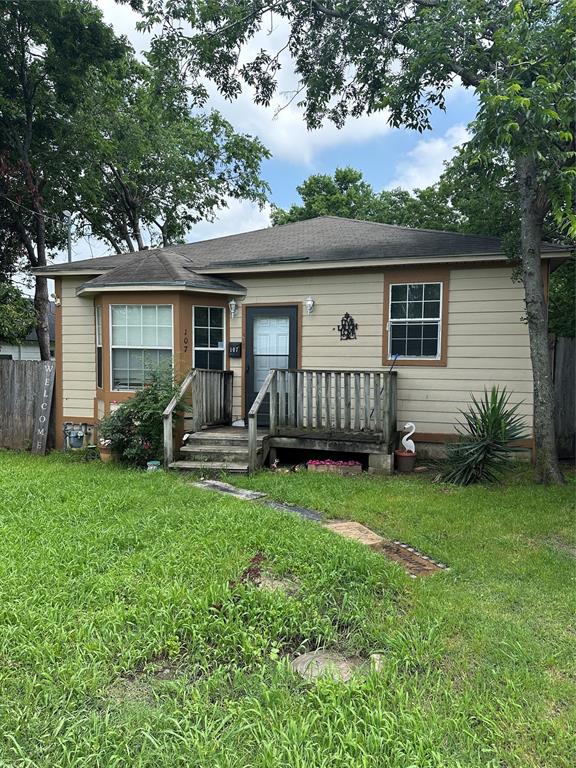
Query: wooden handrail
(211, 393)
(253, 419)
(167, 417)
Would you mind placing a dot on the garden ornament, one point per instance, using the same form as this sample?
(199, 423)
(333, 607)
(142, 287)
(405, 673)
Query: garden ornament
(406, 442)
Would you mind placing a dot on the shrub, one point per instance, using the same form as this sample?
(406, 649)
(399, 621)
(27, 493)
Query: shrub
(135, 428)
(485, 448)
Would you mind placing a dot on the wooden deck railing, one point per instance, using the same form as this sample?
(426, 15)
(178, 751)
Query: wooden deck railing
(208, 403)
(319, 401)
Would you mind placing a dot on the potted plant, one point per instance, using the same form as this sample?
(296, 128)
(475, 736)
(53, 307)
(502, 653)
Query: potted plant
(105, 448)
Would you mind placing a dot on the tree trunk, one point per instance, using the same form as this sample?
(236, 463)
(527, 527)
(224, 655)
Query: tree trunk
(41, 300)
(41, 305)
(532, 210)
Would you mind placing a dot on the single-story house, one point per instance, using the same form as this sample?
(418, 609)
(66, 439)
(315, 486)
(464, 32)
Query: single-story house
(28, 349)
(323, 335)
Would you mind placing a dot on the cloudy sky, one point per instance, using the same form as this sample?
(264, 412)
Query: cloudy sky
(387, 157)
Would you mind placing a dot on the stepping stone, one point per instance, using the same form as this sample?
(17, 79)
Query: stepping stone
(318, 663)
(414, 562)
(357, 532)
(309, 514)
(217, 485)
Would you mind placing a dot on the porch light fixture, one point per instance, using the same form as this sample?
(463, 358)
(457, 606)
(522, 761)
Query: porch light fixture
(233, 307)
(309, 304)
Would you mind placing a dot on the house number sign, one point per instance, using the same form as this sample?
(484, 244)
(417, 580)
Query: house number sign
(43, 408)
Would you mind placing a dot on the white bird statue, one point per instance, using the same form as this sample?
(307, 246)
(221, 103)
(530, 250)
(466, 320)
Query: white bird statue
(406, 442)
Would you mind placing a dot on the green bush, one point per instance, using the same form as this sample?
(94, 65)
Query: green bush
(135, 429)
(485, 447)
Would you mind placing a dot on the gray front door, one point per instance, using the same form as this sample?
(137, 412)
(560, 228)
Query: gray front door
(271, 342)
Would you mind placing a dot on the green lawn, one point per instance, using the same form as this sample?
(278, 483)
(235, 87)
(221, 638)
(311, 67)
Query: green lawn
(123, 643)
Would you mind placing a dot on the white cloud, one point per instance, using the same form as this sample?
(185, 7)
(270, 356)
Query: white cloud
(240, 216)
(424, 163)
(123, 19)
(281, 127)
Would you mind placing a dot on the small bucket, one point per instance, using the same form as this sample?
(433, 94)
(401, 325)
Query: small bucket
(152, 466)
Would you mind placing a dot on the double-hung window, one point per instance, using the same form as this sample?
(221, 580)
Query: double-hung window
(209, 338)
(415, 321)
(141, 342)
(98, 319)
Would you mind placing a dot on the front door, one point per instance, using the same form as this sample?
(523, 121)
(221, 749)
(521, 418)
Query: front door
(271, 342)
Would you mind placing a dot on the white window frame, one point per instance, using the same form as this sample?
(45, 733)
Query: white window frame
(415, 321)
(99, 344)
(208, 349)
(143, 346)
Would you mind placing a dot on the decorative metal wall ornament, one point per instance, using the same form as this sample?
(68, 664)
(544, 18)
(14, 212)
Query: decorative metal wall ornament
(347, 328)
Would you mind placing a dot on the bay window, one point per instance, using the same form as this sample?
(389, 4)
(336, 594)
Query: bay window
(415, 321)
(141, 342)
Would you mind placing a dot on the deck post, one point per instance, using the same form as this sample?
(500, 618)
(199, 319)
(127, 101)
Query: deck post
(168, 441)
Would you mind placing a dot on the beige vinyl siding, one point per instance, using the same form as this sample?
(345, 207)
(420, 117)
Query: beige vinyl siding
(78, 352)
(487, 340)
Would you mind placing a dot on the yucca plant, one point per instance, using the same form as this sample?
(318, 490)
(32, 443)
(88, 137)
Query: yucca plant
(484, 451)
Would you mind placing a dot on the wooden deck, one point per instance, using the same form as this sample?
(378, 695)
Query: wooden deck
(308, 410)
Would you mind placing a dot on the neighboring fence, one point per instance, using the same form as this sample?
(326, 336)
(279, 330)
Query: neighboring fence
(22, 395)
(563, 353)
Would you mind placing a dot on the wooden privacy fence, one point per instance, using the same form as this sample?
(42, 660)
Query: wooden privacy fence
(206, 400)
(310, 402)
(563, 351)
(26, 421)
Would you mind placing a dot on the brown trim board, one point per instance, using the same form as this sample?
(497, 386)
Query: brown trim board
(415, 275)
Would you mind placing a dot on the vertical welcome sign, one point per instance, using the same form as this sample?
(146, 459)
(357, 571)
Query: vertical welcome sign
(43, 408)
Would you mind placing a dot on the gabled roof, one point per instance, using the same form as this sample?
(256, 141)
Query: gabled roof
(315, 241)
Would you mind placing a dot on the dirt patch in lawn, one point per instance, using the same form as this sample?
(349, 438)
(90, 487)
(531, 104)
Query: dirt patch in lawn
(137, 687)
(562, 546)
(270, 582)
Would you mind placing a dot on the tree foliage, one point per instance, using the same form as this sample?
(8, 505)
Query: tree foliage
(47, 52)
(152, 168)
(348, 194)
(17, 316)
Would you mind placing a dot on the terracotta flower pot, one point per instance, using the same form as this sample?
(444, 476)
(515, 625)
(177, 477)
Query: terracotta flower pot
(405, 461)
(105, 454)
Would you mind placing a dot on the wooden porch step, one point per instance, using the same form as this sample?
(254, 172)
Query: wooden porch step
(223, 437)
(222, 452)
(210, 466)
